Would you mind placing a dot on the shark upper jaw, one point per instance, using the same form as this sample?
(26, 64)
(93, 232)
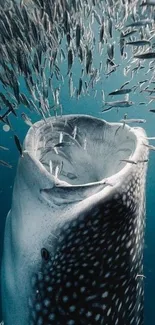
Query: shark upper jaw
(88, 161)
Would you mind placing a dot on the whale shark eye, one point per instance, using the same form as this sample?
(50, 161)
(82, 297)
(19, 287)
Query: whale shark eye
(45, 254)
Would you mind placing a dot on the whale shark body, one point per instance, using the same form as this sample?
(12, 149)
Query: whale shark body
(73, 247)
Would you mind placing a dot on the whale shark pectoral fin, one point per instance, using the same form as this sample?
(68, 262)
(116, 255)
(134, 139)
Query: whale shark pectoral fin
(69, 194)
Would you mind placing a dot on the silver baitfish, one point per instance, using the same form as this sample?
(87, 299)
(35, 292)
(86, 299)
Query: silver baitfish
(120, 91)
(139, 23)
(138, 42)
(146, 55)
(133, 120)
(73, 246)
(117, 103)
(4, 163)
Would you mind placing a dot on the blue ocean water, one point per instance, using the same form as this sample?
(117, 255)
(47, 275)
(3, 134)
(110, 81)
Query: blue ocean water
(87, 104)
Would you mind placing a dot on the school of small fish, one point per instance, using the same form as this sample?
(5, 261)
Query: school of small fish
(37, 37)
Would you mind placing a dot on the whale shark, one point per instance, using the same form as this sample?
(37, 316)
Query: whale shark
(74, 237)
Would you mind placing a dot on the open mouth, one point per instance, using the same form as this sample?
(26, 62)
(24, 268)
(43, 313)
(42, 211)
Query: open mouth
(80, 150)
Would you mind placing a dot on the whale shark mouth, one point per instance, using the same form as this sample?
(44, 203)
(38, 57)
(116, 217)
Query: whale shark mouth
(69, 147)
(77, 227)
(82, 154)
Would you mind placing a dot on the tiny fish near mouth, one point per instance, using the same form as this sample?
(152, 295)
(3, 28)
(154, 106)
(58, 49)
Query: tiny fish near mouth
(73, 247)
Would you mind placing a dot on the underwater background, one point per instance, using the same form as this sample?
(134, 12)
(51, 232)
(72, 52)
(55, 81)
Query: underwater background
(91, 105)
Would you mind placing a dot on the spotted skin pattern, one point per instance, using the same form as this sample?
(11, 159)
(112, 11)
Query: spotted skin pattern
(91, 277)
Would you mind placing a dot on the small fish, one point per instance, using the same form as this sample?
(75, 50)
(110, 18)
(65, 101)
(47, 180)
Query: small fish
(4, 163)
(138, 42)
(74, 133)
(152, 98)
(70, 60)
(110, 51)
(142, 161)
(24, 100)
(129, 161)
(57, 171)
(95, 93)
(63, 54)
(82, 73)
(132, 121)
(3, 148)
(60, 137)
(71, 87)
(152, 110)
(120, 92)
(123, 103)
(122, 43)
(109, 25)
(78, 35)
(80, 87)
(93, 77)
(26, 119)
(89, 60)
(102, 33)
(149, 146)
(68, 38)
(139, 23)
(103, 96)
(62, 144)
(125, 84)
(150, 91)
(56, 96)
(81, 54)
(51, 167)
(143, 81)
(148, 55)
(18, 144)
(86, 85)
(100, 67)
(97, 17)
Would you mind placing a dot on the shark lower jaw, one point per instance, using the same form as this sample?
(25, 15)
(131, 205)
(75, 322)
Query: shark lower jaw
(76, 242)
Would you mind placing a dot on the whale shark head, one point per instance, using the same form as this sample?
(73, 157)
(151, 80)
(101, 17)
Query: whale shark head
(73, 247)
